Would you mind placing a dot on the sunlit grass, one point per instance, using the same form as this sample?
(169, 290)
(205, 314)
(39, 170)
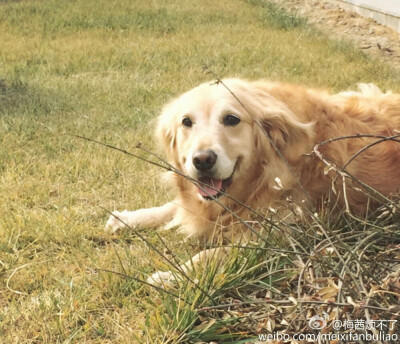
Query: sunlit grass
(103, 69)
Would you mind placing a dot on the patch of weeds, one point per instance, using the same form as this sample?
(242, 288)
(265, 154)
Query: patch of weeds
(238, 275)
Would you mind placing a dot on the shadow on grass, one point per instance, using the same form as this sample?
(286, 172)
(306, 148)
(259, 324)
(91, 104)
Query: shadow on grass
(17, 98)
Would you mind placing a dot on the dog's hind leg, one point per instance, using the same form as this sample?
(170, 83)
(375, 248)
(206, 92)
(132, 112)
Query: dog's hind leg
(142, 218)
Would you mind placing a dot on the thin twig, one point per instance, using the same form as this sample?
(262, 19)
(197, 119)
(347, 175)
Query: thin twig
(196, 182)
(345, 173)
(154, 248)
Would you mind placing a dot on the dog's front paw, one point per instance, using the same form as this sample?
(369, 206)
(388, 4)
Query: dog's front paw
(116, 221)
(161, 277)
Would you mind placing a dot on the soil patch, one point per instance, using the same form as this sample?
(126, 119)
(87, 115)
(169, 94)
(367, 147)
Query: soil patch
(367, 34)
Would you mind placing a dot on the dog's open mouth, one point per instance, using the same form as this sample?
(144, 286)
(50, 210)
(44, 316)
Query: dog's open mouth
(211, 188)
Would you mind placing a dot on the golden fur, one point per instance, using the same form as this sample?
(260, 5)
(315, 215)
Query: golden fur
(272, 116)
(296, 119)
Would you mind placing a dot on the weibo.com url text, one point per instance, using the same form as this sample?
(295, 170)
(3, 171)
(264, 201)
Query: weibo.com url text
(316, 337)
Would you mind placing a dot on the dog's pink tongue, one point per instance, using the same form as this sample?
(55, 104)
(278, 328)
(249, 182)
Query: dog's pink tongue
(207, 189)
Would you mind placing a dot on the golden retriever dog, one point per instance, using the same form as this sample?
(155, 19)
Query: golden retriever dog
(249, 143)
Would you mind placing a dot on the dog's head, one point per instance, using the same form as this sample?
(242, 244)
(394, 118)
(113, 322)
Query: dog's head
(223, 135)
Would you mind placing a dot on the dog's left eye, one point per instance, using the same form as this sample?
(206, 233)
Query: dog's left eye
(187, 122)
(231, 120)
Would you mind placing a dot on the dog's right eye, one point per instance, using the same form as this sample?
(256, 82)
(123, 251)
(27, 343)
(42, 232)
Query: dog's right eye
(187, 122)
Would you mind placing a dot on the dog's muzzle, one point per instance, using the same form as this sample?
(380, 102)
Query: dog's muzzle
(211, 188)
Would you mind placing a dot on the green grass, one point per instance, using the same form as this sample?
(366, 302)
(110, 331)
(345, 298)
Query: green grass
(104, 69)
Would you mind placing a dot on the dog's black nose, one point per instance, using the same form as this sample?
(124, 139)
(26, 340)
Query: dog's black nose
(204, 160)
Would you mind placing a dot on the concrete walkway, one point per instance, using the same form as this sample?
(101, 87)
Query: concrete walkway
(385, 12)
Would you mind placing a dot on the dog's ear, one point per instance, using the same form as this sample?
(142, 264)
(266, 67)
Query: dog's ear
(278, 135)
(283, 130)
(166, 132)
